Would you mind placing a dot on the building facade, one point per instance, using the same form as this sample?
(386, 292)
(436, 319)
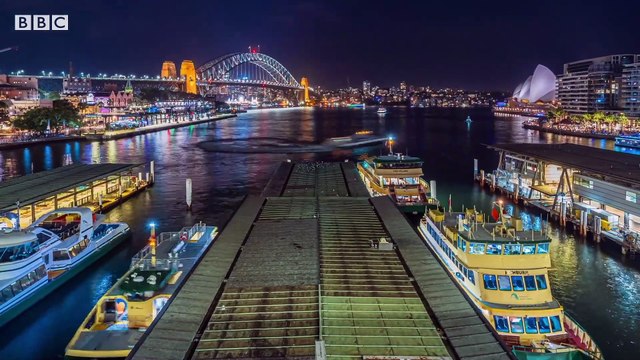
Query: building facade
(630, 90)
(591, 85)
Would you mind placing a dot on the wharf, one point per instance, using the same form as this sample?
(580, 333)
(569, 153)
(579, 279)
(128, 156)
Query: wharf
(294, 275)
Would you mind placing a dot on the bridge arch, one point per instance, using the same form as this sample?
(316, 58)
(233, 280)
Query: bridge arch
(218, 70)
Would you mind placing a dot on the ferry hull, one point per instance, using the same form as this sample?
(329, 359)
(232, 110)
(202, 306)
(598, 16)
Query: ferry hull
(59, 280)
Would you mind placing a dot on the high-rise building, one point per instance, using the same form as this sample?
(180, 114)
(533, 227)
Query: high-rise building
(403, 86)
(630, 90)
(168, 70)
(366, 87)
(591, 85)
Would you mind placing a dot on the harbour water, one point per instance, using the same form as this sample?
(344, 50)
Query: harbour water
(595, 283)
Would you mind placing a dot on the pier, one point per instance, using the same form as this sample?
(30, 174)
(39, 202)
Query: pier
(315, 268)
(593, 190)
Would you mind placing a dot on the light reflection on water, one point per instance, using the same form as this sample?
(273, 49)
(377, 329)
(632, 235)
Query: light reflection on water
(594, 283)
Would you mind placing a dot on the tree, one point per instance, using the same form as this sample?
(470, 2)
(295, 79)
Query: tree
(63, 113)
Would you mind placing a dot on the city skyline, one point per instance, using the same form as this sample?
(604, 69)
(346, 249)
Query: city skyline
(471, 46)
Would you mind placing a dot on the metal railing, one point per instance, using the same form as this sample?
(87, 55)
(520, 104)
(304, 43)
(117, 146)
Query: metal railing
(164, 237)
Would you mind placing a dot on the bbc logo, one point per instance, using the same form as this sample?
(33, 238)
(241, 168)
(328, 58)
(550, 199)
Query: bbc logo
(42, 22)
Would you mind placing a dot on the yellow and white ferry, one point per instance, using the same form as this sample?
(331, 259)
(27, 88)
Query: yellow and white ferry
(120, 318)
(503, 268)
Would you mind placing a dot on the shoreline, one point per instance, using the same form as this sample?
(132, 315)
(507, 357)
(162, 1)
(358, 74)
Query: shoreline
(113, 136)
(569, 132)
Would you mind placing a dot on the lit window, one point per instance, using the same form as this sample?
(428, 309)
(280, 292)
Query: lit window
(531, 325)
(543, 248)
(541, 281)
(530, 283)
(543, 325)
(512, 249)
(490, 282)
(516, 325)
(494, 249)
(518, 284)
(556, 325)
(501, 323)
(476, 248)
(529, 249)
(471, 277)
(504, 283)
(631, 196)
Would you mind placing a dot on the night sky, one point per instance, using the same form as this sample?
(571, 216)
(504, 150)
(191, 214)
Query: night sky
(444, 43)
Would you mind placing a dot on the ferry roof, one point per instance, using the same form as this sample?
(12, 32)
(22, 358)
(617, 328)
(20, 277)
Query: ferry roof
(396, 159)
(612, 165)
(15, 237)
(34, 187)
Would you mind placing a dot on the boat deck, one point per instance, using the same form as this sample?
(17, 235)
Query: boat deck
(487, 232)
(294, 275)
(118, 336)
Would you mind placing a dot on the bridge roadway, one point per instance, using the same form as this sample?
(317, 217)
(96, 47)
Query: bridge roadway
(293, 275)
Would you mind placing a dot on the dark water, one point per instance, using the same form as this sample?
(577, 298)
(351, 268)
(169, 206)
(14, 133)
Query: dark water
(594, 283)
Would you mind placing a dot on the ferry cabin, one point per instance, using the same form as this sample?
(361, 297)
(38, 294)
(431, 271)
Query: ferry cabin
(397, 175)
(503, 269)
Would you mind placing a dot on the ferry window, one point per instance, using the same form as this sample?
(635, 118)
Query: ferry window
(501, 323)
(529, 249)
(6, 293)
(504, 283)
(556, 326)
(516, 325)
(476, 248)
(471, 277)
(530, 283)
(541, 281)
(494, 249)
(60, 255)
(543, 248)
(490, 282)
(543, 324)
(531, 325)
(41, 271)
(465, 272)
(42, 237)
(462, 245)
(16, 287)
(518, 284)
(631, 196)
(512, 249)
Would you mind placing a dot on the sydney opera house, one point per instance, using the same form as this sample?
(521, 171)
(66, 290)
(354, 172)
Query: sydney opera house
(534, 96)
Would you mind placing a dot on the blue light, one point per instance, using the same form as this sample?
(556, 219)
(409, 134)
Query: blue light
(152, 224)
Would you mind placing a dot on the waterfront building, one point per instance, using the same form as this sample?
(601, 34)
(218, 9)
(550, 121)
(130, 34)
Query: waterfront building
(120, 99)
(76, 85)
(18, 88)
(630, 89)
(366, 87)
(534, 96)
(591, 85)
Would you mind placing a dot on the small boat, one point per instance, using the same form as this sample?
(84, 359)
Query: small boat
(39, 259)
(468, 121)
(120, 318)
(629, 141)
(382, 110)
(360, 138)
(503, 267)
(357, 106)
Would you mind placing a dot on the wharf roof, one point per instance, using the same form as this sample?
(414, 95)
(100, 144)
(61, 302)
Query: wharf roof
(611, 165)
(34, 187)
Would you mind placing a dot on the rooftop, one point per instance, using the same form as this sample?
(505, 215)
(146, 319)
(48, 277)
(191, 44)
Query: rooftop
(609, 164)
(34, 187)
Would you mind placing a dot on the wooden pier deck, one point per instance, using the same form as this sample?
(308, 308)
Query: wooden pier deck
(294, 275)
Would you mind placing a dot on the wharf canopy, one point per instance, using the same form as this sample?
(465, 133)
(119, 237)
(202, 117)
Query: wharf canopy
(36, 194)
(539, 87)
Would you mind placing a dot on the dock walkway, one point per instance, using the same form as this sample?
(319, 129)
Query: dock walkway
(294, 275)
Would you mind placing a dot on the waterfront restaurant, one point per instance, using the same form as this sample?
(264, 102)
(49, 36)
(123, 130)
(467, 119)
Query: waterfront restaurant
(97, 186)
(577, 183)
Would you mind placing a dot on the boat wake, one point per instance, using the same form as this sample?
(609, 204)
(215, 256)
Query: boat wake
(261, 146)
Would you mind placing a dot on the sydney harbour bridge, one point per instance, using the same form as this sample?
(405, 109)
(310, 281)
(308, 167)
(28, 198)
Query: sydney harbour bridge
(249, 72)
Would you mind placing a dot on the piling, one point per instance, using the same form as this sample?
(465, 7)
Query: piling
(482, 177)
(583, 222)
(432, 189)
(597, 228)
(475, 168)
(563, 214)
(189, 190)
(152, 170)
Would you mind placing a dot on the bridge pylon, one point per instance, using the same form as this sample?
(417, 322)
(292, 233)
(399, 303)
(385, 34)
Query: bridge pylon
(305, 83)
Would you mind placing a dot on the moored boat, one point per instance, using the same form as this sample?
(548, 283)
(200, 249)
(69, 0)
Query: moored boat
(39, 259)
(503, 267)
(120, 318)
(400, 177)
(629, 141)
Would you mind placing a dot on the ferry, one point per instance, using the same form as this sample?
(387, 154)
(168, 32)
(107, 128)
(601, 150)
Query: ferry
(382, 110)
(400, 177)
(503, 267)
(119, 319)
(357, 106)
(39, 259)
(360, 138)
(630, 141)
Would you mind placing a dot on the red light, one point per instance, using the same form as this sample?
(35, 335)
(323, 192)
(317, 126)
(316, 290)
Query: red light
(253, 51)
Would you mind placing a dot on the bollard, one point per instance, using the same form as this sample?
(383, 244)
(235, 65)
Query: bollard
(432, 189)
(189, 190)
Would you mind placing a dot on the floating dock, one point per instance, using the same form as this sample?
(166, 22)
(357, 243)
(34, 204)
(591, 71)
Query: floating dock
(295, 274)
